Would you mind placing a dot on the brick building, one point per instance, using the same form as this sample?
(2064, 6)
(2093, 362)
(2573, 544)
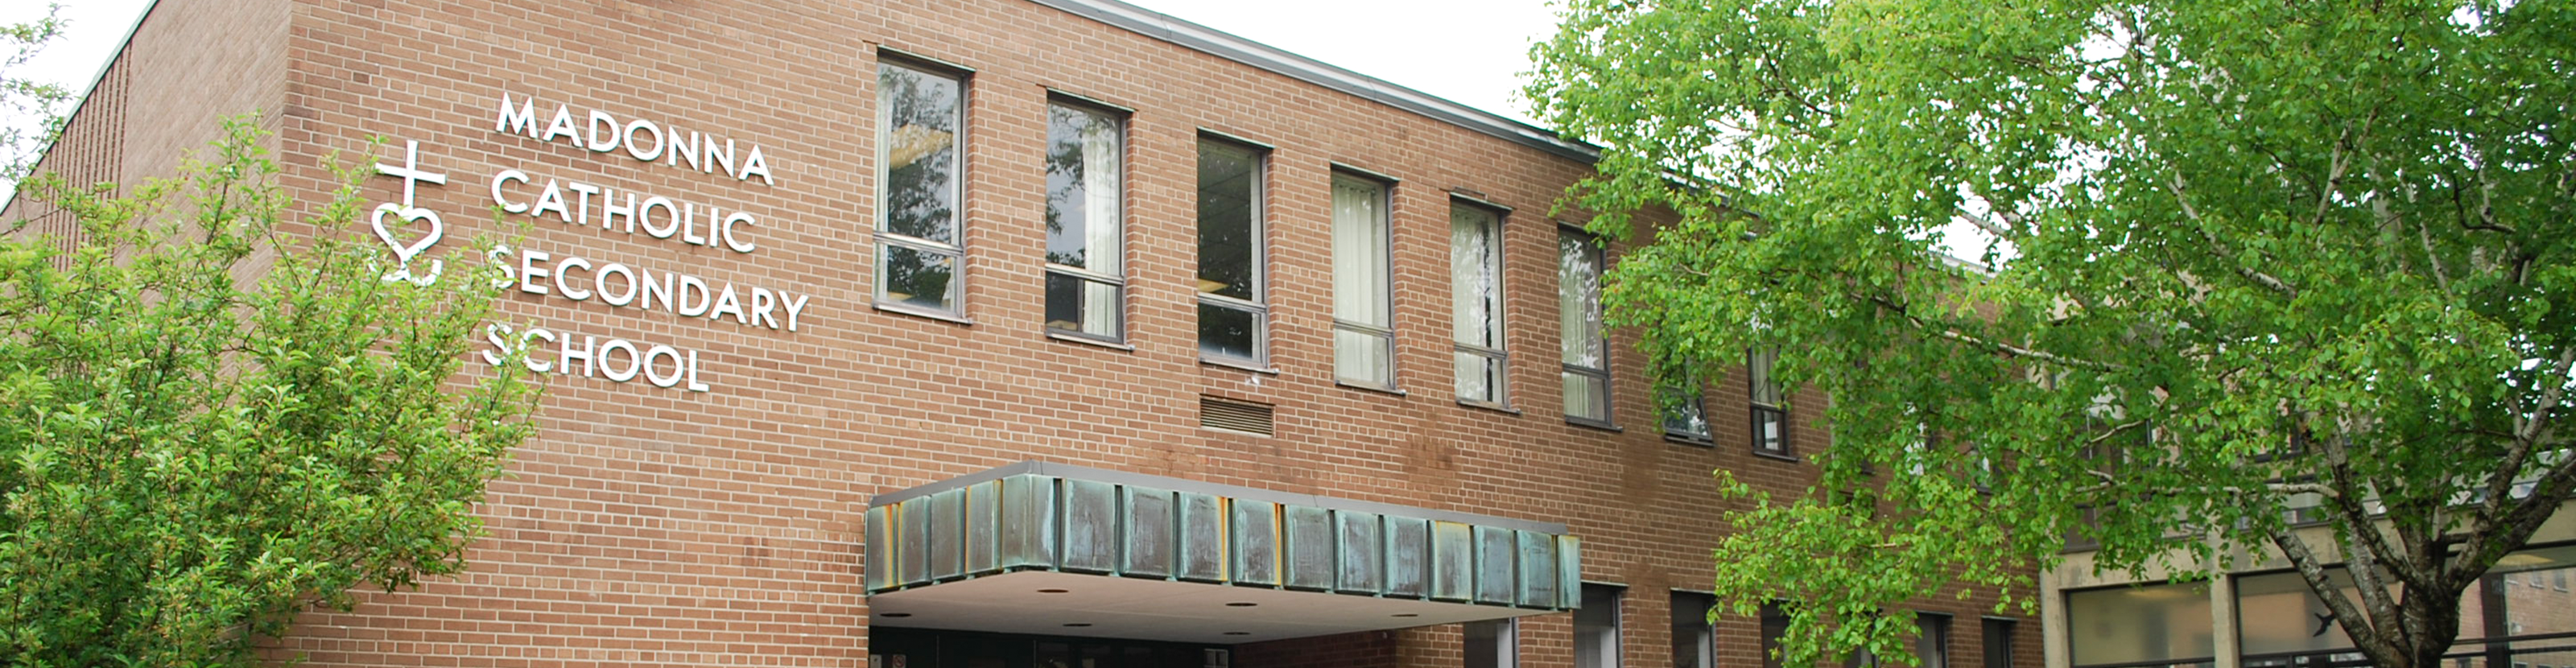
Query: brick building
(995, 333)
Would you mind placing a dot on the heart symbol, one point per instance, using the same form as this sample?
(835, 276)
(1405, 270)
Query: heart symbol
(409, 214)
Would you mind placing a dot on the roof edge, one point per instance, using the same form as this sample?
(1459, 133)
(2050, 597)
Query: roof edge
(1230, 47)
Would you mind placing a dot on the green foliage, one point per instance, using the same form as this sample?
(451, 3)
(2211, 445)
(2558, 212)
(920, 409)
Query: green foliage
(2249, 255)
(207, 425)
(21, 97)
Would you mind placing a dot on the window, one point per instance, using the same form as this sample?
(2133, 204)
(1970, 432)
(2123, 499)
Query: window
(1596, 627)
(1363, 322)
(1493, 643)
(1775, 625)
(1476, 301)
(1685, 419)
(1694, 641)
(1234, 314)
(921, 254)
(1770, 412)
(2159, 623)
(1998, 642)
(1578, 306)
(1085, 214)
(1932, 640)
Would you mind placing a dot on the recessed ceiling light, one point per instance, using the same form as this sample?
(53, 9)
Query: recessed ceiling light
(1408, 614)
(1238, 633)
(894, 614)
(1054, 591)
(1077, 624)
(1240, 604)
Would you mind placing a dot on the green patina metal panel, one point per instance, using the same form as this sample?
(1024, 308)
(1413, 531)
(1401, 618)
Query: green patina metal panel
(1408, 557)
(1151, 528)
(1569, 572)
(1256, 537)
(913, 542)
(1538, 569)
(1090, 526)
(1027, 524)
(1310, 547)
(1497, 578)
(947, 535)
(983, 527)
(1203, 539)
(1362, 553)
(880, 550)
(1453, 561)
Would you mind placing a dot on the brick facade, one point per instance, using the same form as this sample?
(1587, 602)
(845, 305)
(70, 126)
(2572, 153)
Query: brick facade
(658, 526)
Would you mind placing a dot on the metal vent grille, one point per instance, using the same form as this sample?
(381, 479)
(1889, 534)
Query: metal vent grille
(1234, 415)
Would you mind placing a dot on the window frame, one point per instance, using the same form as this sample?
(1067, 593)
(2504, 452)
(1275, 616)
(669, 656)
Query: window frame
(883, 240)
(1928, 624)
(1997, 647)
(1697, 400)
(1758, 372)
(1258, 231)
(1498, 316)
(1616, 651)
(1707, 630)
(1386, 303)
(1507, 641)
(1119, 118)
(1600, 266)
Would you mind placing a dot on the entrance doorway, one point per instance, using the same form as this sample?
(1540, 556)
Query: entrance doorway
(933, 648)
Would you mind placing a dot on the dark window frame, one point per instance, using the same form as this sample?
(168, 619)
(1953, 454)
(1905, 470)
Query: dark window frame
(1601, 375)
(1118, 282)
(1257, 223)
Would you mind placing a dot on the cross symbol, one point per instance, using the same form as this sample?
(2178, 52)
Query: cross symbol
(410, 172)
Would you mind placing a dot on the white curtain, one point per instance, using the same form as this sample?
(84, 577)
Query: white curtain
(1102, 223)
(1360, 279)
(1471, 277)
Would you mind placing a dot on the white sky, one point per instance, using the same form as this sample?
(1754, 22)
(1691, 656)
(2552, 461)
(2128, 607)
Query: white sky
(1469, 51)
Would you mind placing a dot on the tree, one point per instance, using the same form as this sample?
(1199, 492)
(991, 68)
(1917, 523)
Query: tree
(209, 423)
(24, 98)
(2246, 255)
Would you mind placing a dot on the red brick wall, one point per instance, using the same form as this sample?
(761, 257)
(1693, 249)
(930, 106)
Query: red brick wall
(649, 525)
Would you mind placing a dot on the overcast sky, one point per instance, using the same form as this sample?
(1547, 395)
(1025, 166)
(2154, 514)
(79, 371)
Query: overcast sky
(1469, 51)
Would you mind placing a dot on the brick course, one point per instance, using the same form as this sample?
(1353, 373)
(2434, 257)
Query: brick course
(654, 526)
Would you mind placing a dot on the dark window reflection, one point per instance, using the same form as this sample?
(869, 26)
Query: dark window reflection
(1227, 332)
(1229, 197)
(916, 277)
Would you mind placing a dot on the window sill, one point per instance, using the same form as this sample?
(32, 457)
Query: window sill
(1372, 388)
(1595, 424)
(1085, 340)
(919, 312)
(1776, 456)
(1693, 441)
(1490, 406)
(1239, 366)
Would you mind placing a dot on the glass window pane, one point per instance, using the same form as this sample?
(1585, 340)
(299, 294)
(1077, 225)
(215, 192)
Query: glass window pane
(1596, 628)
(1932, 640)
(916, 277)
(1998, 643)
(1082, 205)
(1694, 643)
(1578, 300)
(1775, 626)
(1683, 415)
(1359, 252)
(1757, 371)
(2167, 622)
(1492, 644)
(1079, 305)
(920, 120)
(1480, 378)
(1228, 332)
(1363, 357)
(1229, 220)
(1474, 282)
(1586, 397)
(1770, 430)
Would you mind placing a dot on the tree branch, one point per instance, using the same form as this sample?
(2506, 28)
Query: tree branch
(2216, 247)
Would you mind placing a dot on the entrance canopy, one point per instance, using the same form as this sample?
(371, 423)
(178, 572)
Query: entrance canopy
(1046, 548)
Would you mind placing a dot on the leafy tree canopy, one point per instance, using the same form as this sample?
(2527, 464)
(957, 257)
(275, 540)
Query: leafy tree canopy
(2248, 256)
(208, 423)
